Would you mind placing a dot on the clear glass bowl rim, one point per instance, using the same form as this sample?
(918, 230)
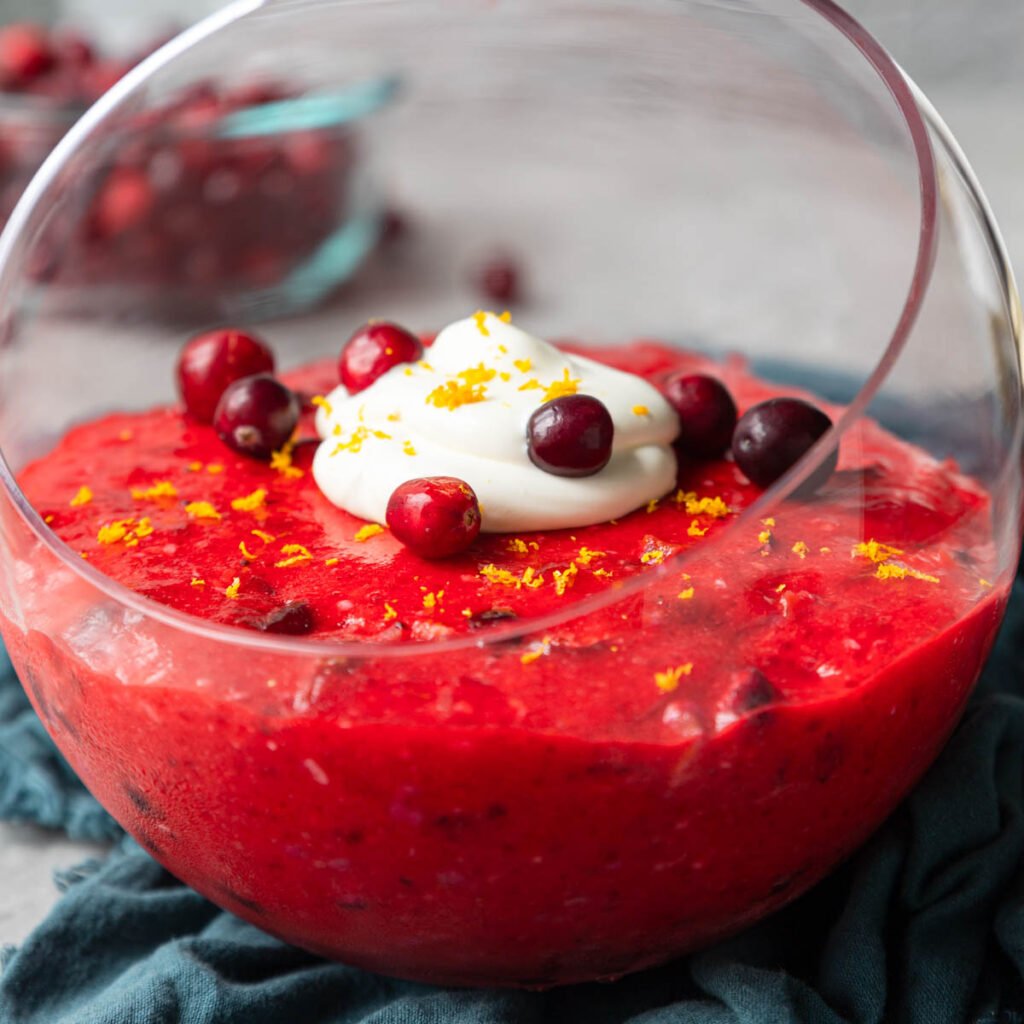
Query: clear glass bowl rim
(918, 116)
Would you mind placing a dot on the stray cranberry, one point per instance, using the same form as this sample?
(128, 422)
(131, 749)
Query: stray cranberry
(256, 416)
(773, 436)
(210, 362)
(499, 280)
(293, 619)
(373, 350)
(25, 54)
(434, 516)
(571, 436)
(707, 415)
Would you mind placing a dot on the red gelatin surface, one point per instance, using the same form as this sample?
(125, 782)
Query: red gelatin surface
(573, 803)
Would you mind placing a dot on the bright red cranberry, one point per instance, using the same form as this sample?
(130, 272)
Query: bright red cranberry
(210, 362)
(499, 280)
(571, 436)
(256, 416)
(373, 350)
(434, 516)
(25, 55)
(773, 436)
(707, 415)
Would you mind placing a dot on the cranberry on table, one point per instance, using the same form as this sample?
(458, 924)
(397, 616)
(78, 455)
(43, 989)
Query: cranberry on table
(211, 361)
(571, 436)
(707, 415)
(256, 416)
(773, 436)
(373, 350)
(434, 516)
(499, 279)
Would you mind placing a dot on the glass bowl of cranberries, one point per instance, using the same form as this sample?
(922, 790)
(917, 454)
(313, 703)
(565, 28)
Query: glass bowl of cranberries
(232, 191)
(534, 641)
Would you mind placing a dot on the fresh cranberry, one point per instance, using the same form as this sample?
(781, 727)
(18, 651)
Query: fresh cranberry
(498, 280)
(25, 54)
(256, 416)
(434, 516)
(293, 619)
(707, 415)
(773, 436)
(571, 436)
(210, 362)
(373, 350)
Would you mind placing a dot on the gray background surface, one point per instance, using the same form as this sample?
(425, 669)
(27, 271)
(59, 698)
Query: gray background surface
(967, 55)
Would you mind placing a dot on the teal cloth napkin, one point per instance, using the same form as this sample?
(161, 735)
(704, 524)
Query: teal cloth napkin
(925, 925)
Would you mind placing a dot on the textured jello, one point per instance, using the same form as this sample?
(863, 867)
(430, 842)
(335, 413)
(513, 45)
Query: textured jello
(557, 756)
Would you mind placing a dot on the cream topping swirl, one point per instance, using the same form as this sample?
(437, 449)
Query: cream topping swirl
(463, 411)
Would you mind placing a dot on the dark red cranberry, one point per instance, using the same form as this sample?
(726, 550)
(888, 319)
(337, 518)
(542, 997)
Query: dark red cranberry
(293, 619)
(256, 416)
(394, 226)
(707, 415)
(571, 436)
(499, 280)
(773, 436)
(434, 516)
(73, 49)
(373, 350)
(25, 54)
(210, 362)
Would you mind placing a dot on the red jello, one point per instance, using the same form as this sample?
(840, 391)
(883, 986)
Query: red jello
(553, 757)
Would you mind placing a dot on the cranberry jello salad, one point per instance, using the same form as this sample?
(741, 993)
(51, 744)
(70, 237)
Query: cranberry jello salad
(572, 785)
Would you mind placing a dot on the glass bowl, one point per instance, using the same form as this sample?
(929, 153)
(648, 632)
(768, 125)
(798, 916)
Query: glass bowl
(634, 774)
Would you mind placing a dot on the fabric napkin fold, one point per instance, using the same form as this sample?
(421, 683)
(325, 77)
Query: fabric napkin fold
(924, 925)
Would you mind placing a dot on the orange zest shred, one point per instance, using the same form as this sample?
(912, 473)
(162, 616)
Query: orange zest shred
(389, 612)
(564, 580)
(408, 448)
(197, 582)
(668, 681)
(364, 533)
(127, 530)
(246, 553)
(523, 365)
(652, 505)
(282, 461)
(695, 529)
(331, 561)
(481, 323)
(530, 578)
(214, 468)
(201, 510)
(559, 388)
(696, 506)
(640, 410)
(537, 651)
(506, 317)
(159, 489)
(885, 569)
(267, 538)
(800, 549)
(655, 557)
(888, 571)
(250, 502)
(586, 556)
(322, 403)
(295, 553)
(83, 497)
(231, 590)
(432, 600)
(686, 595)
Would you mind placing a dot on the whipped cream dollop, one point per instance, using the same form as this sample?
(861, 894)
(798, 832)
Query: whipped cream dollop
(463, 411)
